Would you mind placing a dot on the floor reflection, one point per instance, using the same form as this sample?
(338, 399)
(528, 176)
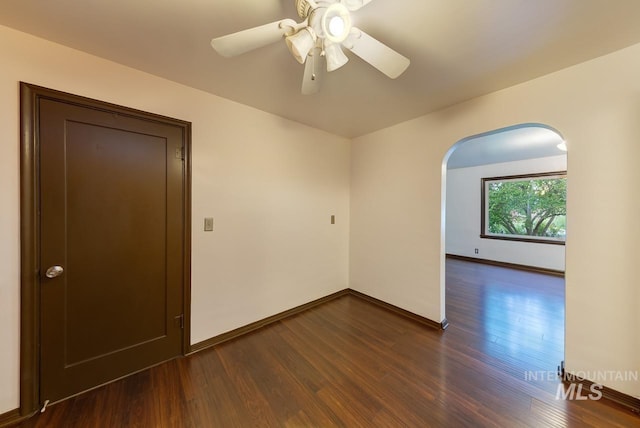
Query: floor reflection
(525, 325)
(513, 316)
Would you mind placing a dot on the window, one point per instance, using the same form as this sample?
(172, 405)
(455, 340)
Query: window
(531, 208)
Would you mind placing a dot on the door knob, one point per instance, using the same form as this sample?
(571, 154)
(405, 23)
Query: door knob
(54, 271)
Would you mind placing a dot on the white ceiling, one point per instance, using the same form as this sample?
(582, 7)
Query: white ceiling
(508, 145)
(459, 49)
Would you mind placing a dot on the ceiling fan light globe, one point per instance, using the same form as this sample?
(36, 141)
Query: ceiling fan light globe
(336, 23)
(335, 57)
(300, 44)
(336, 26)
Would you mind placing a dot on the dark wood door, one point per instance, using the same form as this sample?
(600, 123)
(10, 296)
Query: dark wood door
(111, 190)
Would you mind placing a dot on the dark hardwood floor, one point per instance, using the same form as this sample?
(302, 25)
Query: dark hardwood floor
(351, 363)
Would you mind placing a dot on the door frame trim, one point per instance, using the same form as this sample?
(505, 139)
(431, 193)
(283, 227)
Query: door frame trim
(30, 228)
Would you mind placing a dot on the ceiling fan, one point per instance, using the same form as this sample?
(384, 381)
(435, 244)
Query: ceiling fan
(325, 29)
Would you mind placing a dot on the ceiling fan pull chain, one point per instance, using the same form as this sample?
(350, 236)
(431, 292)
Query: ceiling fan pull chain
(313, 58)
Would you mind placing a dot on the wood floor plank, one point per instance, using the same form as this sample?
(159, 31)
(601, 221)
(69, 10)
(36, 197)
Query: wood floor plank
(351, 363)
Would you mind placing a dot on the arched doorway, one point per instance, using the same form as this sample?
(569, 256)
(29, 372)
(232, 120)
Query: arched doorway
(504, 282)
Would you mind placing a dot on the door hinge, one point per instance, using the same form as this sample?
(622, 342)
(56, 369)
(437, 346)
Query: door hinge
(179, 321)
(180, 153)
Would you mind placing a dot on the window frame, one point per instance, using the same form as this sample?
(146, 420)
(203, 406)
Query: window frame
(484, 234)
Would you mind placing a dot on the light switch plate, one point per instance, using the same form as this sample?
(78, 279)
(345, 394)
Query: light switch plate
(208, 224)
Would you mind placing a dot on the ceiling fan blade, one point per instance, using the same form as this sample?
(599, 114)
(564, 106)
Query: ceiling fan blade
(376, 53)
(355, 4)
(253, 38)
(313, 71)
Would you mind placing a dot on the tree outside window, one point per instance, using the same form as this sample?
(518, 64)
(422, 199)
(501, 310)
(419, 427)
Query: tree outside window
(530, 208)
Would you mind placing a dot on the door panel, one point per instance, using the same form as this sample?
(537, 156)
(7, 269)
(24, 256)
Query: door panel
(112, 216)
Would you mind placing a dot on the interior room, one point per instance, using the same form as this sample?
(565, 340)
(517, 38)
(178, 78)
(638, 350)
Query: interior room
(336, 198)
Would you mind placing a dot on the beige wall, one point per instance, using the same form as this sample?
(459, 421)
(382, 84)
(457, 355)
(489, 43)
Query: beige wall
(270, 184)
(396, 200)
